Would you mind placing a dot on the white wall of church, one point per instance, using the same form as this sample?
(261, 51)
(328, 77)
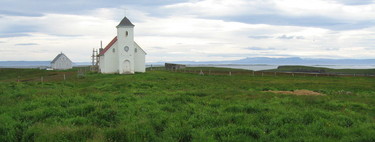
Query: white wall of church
(139, 58)
(101, 64)
(125, 38)
(110, 60)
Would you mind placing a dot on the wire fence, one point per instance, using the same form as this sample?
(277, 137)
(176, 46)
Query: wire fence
(80, 73)
(49, 76)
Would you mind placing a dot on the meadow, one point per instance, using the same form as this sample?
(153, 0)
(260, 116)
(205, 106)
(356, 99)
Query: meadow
(176, 106)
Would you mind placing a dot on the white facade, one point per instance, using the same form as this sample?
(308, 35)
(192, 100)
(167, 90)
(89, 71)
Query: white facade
(61, 62)
(122, 55)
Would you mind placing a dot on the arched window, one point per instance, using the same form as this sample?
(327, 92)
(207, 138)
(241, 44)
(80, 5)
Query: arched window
(126, 33)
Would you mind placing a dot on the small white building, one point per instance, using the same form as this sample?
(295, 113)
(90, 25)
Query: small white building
(61, 62)
(122, 55)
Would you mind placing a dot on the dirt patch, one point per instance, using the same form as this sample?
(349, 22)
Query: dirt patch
(299, 92)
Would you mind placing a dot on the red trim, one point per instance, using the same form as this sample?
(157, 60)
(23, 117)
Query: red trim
(108, 46)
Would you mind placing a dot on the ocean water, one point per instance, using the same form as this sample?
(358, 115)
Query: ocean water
(267, 67)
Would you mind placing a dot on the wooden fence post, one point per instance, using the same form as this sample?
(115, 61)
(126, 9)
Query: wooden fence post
(230, 73)
(41, 79)
(262, 74)
(253, 73)
(64, 77)
(201, 73)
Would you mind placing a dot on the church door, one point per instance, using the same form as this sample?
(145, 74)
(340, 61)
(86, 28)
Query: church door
(127, 68)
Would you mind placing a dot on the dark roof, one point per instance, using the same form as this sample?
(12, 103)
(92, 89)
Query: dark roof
(125, 22)
(58, 56)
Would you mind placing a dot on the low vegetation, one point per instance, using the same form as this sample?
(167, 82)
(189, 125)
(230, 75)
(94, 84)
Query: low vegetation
(178, 106)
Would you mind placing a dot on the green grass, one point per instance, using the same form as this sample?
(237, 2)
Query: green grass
(322, 70)
(175, 106)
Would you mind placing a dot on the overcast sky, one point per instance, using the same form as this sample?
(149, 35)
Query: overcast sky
(193, 30)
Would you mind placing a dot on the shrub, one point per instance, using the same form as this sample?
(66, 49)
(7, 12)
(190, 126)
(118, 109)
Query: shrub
(104, 118)
(116, 135)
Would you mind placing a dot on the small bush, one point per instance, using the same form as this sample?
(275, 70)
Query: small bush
(116, 135)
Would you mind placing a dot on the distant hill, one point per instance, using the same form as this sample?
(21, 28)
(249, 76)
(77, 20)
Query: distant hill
(308, 69)
(285, 61)
(32, 64)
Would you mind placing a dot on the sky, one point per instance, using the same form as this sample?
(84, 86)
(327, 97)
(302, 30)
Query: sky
(190, 30)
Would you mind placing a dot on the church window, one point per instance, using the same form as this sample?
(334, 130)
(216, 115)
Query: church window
(126, 33)
(126, 48)
(135, 50)
(113, 50)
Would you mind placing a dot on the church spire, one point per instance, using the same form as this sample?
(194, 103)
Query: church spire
(125, 22)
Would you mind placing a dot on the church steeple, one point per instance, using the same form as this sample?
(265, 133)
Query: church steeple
(125, 22)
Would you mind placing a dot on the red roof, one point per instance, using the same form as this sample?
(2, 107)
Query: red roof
(108, 46)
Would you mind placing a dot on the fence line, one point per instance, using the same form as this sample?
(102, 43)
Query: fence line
(81, 73)
(52, 76)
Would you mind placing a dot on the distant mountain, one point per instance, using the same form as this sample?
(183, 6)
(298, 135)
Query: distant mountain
(285, 61)
(33, 64)
(300, 61)
(24, 63)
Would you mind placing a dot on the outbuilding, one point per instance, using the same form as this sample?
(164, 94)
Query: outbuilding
(61, 62)
(171, 66)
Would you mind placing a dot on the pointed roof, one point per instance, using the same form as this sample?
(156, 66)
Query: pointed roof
(58, 56)
(125, 22)
(108, 46)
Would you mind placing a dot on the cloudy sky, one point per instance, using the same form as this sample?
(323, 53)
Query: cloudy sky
(194, 30)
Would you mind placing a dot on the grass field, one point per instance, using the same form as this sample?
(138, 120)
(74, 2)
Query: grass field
(177, 106)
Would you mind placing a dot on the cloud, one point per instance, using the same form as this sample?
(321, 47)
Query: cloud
(260, 37)
(354, 2)
(192, 30)
(26, 44)
(290, 37)
(34, 8)
(332, 49)
(19, 13)
(9, 35)
(259, 48)
(156, 47)
(317, 13)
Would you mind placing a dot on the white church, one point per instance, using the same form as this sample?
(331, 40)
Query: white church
(122, 55)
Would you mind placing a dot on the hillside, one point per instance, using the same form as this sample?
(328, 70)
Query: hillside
(177, 106)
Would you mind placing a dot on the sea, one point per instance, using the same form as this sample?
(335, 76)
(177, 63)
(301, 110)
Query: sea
(258, 67)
